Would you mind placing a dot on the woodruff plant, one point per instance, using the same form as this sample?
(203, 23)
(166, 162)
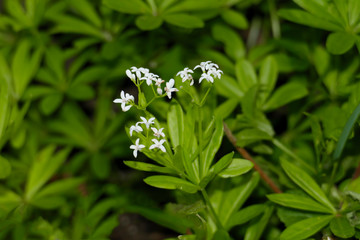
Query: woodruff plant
(185, 144)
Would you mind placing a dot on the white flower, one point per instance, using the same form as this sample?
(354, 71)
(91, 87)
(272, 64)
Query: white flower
(210, 65)
(185, 75)
(202, 65)
(147, 122)
(124, 100)
(207, 77)
(135, 128)
(159, 90)
(158, 81)
(158, 133)
(139, 71)
(130, 75)
(137, 147)
(215, 72)
(149, 77)
(158, 144)
(170, 88)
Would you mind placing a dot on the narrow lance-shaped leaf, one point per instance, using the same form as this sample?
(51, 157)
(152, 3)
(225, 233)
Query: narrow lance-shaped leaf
(236, 168)
(168, 182)
(176, 124)
(148, 167)
(255, 230)
(245, 215)
(303, 180)
(305, 228)
(298, 202)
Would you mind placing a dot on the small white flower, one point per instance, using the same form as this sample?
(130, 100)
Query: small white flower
(158, 81)
(185, 75)
(139, 71)
(125, 98)
(149, 77)
(135, 128)
(159, 90)
(130, 75)
(158, 133)
(147, 122)
(170, 88)
(202, 65)
(215, 72)
(137, 147)
(207, 77)
(210, 65)
(158, 144)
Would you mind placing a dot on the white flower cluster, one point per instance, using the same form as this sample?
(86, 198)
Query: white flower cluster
(158, 143)
(144, 74)
(210, 71)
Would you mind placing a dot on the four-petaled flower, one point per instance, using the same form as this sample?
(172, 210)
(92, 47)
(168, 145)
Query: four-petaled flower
(125, 98)
(135, 128)
(170, 88)
(158, 133)
(147, 122)
(202, 65)
(185, 75)
(158, 144)
(206, 76)
(139, 71)
(137, 147)
(215, 72)
(149, 77)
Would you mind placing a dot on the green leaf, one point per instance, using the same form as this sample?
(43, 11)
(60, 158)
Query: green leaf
(148, 167)
(100, 165)
(229, 87)
(341, 227)
(234, 46)
(125, 6)
(184, 20)
(340, 42)
(168, 182)
(214, 144)
(319, 10)
(249, 102)
(303, 180)
(236, 168)
(234, 18)
(148, 22)
(268, 77)
(245, 215)
(8, 201)
(286, 93)
(87, 10)
(50, 103)
(44, 166)
(106, 227)
(59, 187)
(245, 74)
(5, 167)
(222, 163)
(354, 12)
(81, 92)
(48, 202)
(305, 18)
(305, 228)
(176, 124)
(221, 234)
(255, 230)
(232, 199)
(251, 135)
(4, 106)
(176, 223)
(298, 202)
(194, 5)
(226, 108)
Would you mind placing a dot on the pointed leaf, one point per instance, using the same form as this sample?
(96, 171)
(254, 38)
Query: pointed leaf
(148, 22)
(126, 6)
(305, 228)
(176, 124)
(236, 168)
(184, 20)
(299, 202)
(5, 167)
(245, 215)
(340, 42)
(148, 167)
(341, 227)
(168, 182)
(303, 180)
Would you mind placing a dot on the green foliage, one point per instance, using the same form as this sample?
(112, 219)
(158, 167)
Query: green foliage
(264, 149)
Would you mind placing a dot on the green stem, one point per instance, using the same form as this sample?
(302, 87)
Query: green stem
(293, 155)
(211, 209)
(200, 143)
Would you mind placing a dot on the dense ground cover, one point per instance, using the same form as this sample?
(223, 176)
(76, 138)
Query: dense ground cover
(248, 127)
